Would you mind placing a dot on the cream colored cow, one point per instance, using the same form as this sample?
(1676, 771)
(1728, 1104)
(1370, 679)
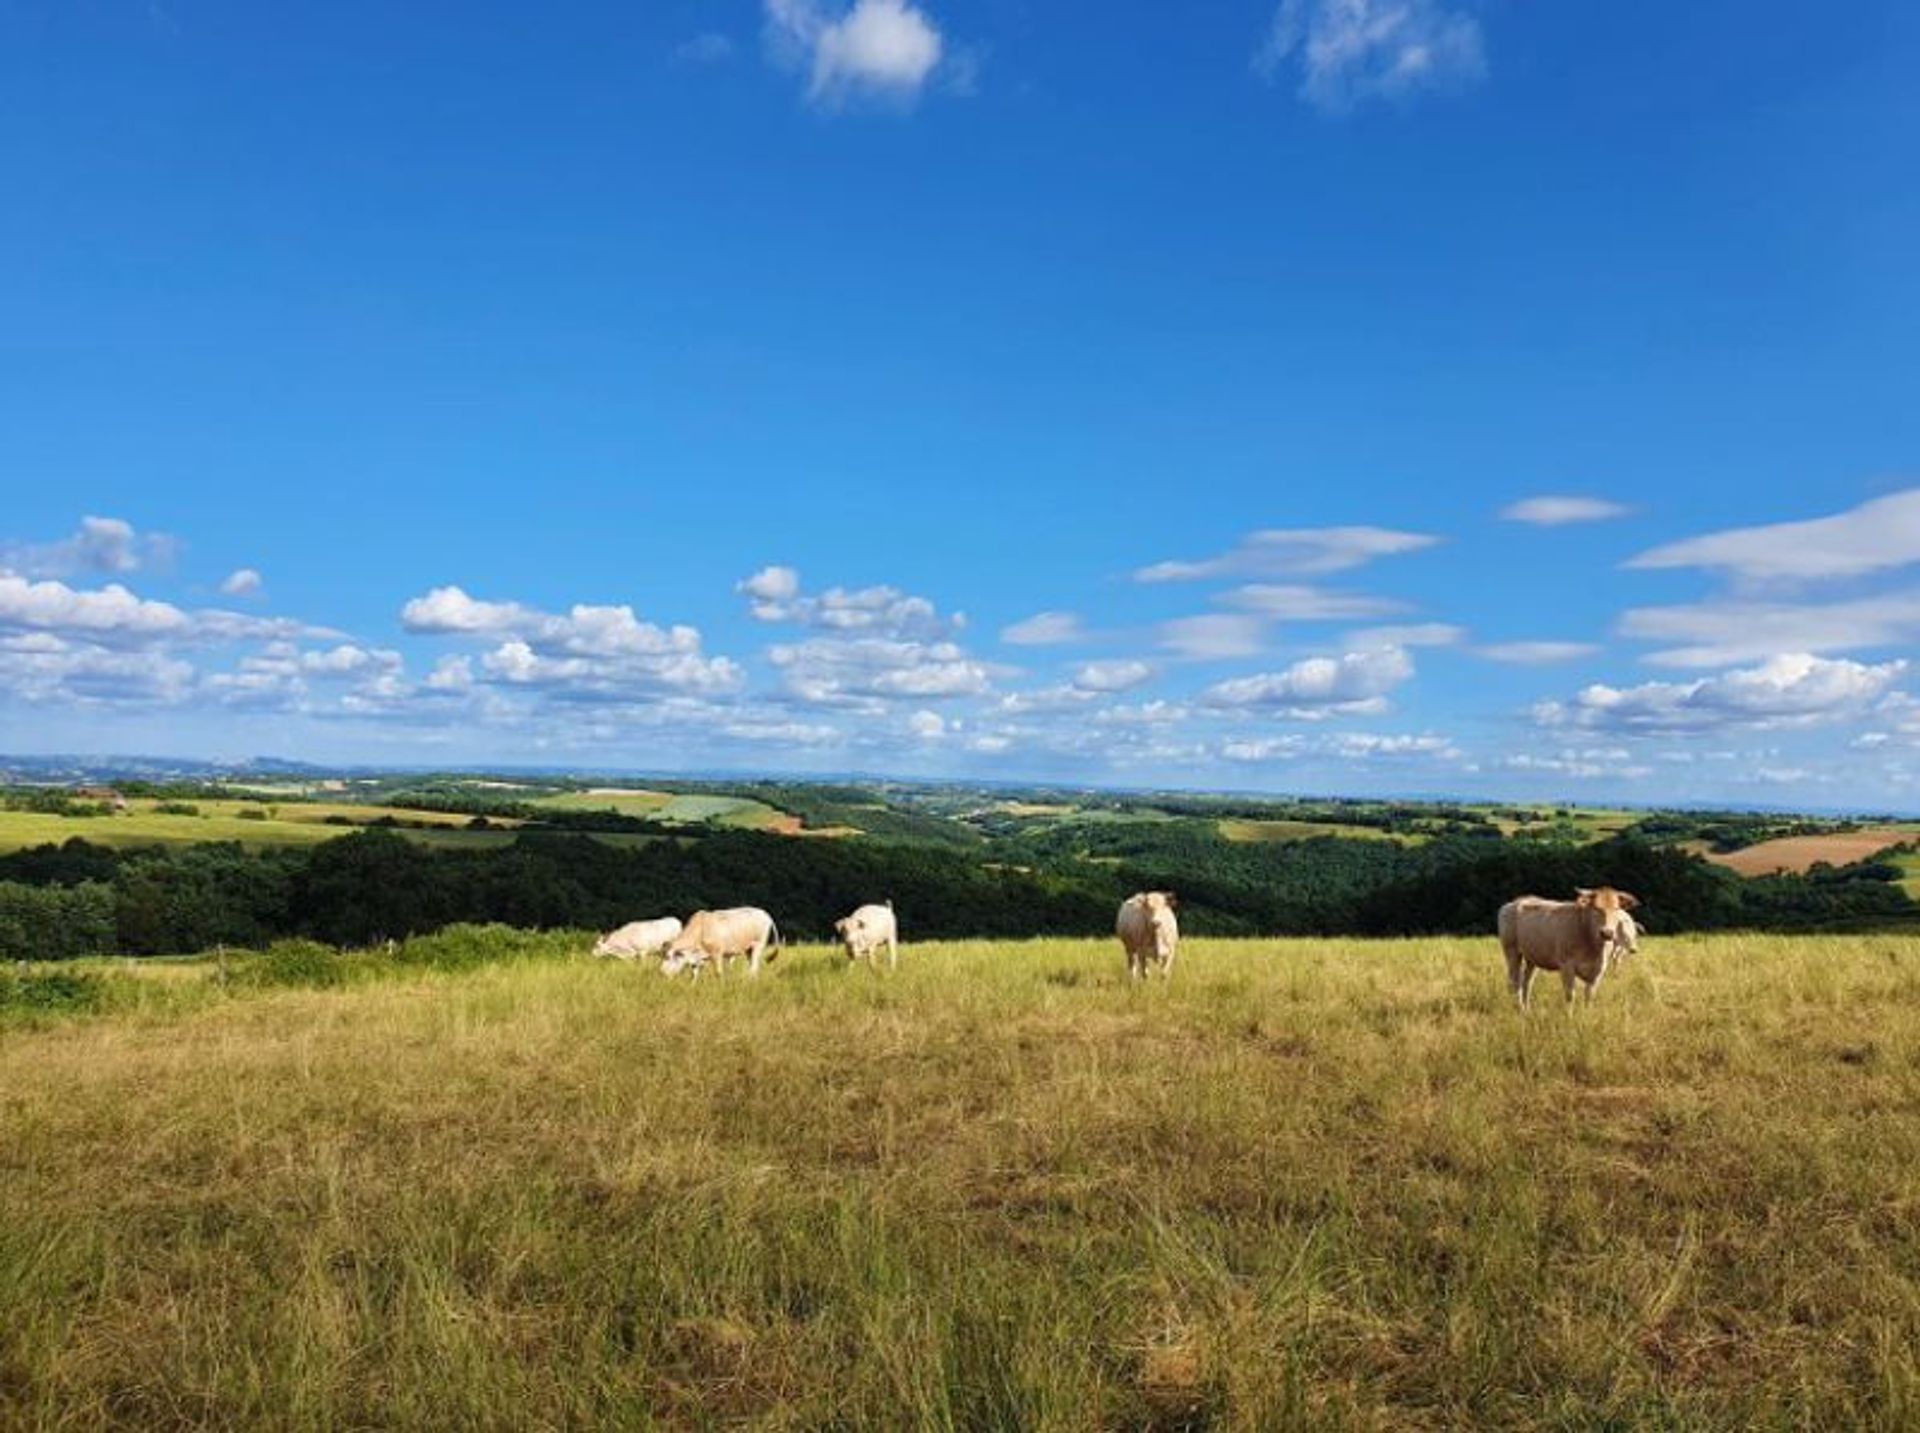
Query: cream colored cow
(639, 938)
(868, 929)
(1149, 932)
(1577, 938)
(715, 937)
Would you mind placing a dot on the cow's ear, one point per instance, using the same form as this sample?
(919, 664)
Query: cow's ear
(1173, 901)
(1583, 895)
(1628, 901)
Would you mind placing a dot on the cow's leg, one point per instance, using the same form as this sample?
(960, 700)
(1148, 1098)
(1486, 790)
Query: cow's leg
(1523, 984)
(1136, 964)
(1566, 983)
(893, 952)
(1516, 977)
(753, 957)
(1166, 967)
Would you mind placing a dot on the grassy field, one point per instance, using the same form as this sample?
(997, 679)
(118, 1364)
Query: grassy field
(1328, 1184)
(277, 824)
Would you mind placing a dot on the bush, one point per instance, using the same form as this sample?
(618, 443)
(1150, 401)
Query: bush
(59, 992)
(306, 964)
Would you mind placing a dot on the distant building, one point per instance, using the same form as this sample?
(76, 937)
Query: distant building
(105, 795)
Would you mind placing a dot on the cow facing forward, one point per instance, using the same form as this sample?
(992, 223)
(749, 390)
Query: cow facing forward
(638, 938)
(866, 931)
(715, 937)
(1578, 938)
(1149, 932)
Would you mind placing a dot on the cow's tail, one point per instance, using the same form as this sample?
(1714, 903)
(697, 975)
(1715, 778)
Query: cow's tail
(774, 941)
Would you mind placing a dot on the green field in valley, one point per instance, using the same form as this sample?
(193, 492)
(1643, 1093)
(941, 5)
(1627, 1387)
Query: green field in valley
(487, 1182)
(273, 824)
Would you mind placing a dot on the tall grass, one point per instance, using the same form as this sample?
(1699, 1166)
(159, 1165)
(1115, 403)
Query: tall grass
(1306, 1184)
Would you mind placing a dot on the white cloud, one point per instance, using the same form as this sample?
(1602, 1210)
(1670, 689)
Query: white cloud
(927, 725)
(1558, 511)
(587, 653)
(1414, 634)
(1300, 602)
(107, 614)
(103, 544)
(775, 596)
(880, 48)
(774, 585)
(1045, 629)
(1875, 537)
(1293, 552)
(40, 667)
(1354, 684)
(1535, 654)
(842, 671)
(1212, 637)
(1721, 632)
(1113, 676)
(451, 674)
(242, 582)
(1349, 51)
(1343, 746)
(1785, 691)
(1588, 763)
(783, 733)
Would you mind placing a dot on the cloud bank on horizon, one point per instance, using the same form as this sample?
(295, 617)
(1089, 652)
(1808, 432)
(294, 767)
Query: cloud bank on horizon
(1302, 686)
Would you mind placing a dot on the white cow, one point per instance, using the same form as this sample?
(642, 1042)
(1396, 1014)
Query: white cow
(638, 938)
(1577, 938)
(715, 937)
(1626, 938)
(866, 930)
(1149, 932)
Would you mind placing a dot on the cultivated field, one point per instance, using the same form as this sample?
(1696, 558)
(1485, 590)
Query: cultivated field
(1308, 1184)
(1801, 853)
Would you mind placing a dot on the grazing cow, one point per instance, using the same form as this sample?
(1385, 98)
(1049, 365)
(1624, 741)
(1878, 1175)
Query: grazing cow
(715, 937)
(638, 938)
(1149, 932)
(866, 930)
(1626, 938)
(1578, 938)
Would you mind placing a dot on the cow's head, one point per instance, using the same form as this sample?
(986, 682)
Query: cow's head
(1607, 918)
(600, 945)
(679, 958)
(1159, 906)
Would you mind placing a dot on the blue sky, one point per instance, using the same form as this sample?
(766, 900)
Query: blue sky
(905, 386)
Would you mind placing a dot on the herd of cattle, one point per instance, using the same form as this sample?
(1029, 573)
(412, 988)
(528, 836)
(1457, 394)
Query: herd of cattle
(1581, 939)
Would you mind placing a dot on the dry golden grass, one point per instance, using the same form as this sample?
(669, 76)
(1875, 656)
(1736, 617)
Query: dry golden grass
(1307, 1184)
(1800, 853)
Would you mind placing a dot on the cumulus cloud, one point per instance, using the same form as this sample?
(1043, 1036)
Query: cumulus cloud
(774, 595)
(864, 671)
(242, 582)
(102, 545)
(1045, 629)
(1537, 653)
(1293, 552)
(588, 652)
(105, 614)
(1559, 511)
(1876, 536)
(1356, 683)
(40, 667)
(887, 49)
(1114, 676)
(1350, 51)
(1784, 691)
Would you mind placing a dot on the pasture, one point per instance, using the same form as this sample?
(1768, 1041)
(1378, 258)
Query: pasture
(1308, 1183)
(1801, 853)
